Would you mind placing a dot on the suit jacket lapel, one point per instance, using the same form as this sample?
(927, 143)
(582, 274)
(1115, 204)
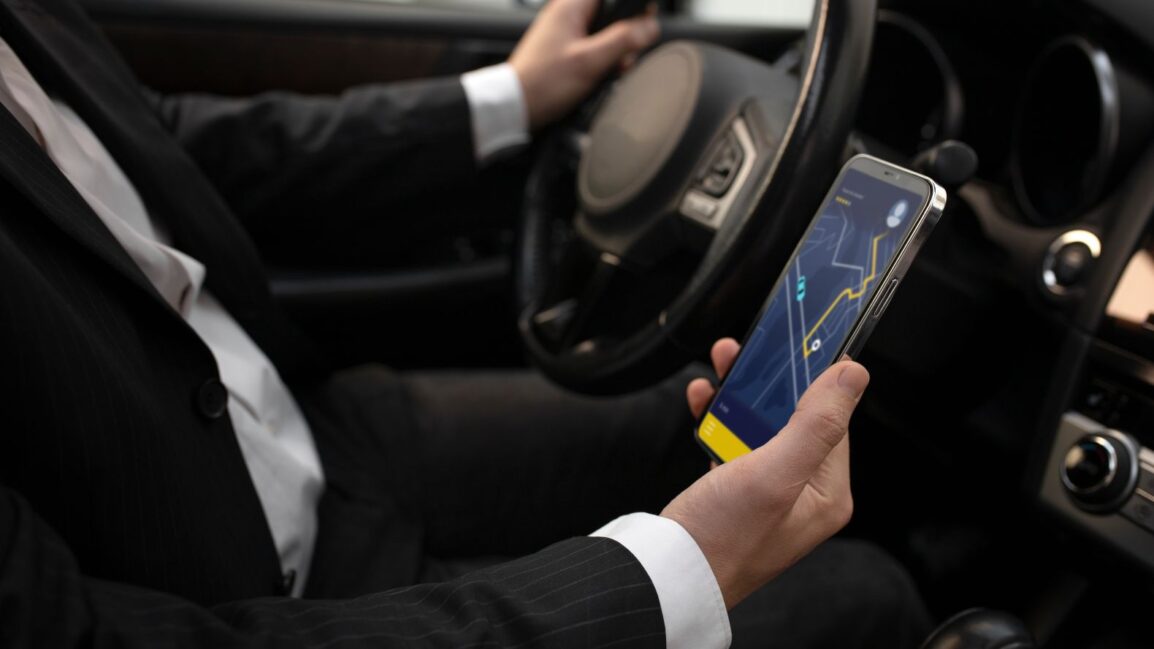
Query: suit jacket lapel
(25, 165)
(71, 57)
(28, 168)
(68, 55)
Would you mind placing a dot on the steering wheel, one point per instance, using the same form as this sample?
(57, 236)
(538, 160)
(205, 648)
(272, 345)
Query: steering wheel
(664, 224)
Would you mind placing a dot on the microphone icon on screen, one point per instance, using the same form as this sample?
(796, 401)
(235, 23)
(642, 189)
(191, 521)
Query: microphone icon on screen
(897, 213)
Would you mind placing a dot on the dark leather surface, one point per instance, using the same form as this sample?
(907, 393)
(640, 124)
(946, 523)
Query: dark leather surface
(980, 628)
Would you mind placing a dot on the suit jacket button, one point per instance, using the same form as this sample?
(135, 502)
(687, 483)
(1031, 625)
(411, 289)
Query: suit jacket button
(212, 399)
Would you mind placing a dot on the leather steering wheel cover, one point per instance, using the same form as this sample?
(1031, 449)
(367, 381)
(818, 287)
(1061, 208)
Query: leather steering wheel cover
(743, 262)
(539, 208)
(981, 628)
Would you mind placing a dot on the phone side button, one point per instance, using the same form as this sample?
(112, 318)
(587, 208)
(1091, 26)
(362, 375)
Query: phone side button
(884, 301)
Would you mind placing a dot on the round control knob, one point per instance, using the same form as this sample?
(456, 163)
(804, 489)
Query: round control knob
(1071, 263)
(1100, 471)
(1069, 260)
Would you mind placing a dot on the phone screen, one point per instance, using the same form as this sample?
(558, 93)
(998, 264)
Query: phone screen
(812, 310)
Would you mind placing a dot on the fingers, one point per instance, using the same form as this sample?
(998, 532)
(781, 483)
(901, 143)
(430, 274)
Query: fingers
(586, 9)
(699, 393)
(611, 45)
(817, 427)
(723, 354)
(558, 62)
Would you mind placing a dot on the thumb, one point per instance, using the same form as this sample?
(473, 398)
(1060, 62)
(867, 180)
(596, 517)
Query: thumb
(606, 48)
(818, 426)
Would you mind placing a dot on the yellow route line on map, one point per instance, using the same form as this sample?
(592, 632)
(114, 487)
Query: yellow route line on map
(847, 293)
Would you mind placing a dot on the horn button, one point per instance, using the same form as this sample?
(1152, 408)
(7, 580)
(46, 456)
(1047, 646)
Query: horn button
(673, 145)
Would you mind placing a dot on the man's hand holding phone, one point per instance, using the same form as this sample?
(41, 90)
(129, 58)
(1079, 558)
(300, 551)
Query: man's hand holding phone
(756, 515)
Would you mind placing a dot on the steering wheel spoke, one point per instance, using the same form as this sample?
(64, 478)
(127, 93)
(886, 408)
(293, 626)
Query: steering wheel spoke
(574, 141)
(590, 312)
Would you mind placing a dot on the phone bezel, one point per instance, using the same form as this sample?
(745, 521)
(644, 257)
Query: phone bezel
(929, 212)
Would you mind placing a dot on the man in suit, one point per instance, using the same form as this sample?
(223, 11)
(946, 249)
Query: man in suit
(179, 469)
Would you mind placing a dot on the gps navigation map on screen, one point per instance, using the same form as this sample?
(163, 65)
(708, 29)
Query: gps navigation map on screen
(812, 310)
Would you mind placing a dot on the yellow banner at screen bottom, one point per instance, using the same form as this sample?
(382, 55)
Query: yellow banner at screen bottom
(720, 439)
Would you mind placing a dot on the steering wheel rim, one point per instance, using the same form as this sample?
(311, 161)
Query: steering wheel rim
(743, 258)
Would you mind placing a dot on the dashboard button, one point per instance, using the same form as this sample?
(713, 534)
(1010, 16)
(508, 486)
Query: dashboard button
(1071, 263)
(1069, 259)
(211, 399)
(1100, 471)
(1140, 510)
(1146, 480)
(1091, 465)
(723, 167)
(699, 207)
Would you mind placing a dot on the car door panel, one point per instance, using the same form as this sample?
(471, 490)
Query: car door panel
(245, 61)
(246, 45)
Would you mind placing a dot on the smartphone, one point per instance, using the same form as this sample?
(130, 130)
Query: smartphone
(836, 286)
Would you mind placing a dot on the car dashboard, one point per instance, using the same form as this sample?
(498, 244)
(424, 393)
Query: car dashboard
(1024, 336)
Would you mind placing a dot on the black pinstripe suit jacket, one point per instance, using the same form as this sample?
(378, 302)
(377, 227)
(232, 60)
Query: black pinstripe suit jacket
(127, 516)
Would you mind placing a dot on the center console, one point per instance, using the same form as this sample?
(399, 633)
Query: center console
(1099, 471)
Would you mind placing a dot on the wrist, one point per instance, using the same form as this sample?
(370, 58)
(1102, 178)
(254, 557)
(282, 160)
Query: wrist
(691, 603)
(728, 574)
(496, 110)
(525, 79)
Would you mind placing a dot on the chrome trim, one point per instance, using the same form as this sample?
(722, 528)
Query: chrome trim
(721, 210)
(1131, 479)
(1110, 526)
(1086, 237)
(806, 78)
(1135, 458)
(1147, 458)
(1111, 466)
(817, 28)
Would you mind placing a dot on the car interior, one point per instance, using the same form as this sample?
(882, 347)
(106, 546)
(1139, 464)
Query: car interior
(1003, 450)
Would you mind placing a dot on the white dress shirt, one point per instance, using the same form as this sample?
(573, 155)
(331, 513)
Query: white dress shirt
(273, 435)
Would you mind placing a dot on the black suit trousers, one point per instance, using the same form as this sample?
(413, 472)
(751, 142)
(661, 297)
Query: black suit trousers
(434, 474)
(455, 465)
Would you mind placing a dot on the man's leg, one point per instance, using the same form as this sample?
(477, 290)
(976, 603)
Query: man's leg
(508, 462)
(846, 594)
(584, 461)
(459, 466)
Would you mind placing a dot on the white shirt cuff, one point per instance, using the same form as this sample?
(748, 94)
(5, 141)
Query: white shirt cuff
(497, 110)
(691, 601)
